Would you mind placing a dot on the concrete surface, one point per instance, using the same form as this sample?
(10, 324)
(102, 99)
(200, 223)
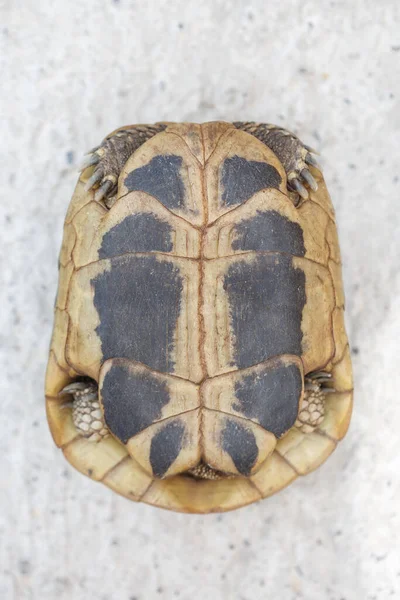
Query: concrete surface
(73, 71)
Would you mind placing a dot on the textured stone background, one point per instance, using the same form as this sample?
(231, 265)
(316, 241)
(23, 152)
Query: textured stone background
(71, 72)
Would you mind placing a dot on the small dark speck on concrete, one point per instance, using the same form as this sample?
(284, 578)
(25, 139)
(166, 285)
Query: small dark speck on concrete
(231, 546)
(70, 155)
(299, 570)
(223, 576)
(347, 100)
(162, 85)
(262, 582)
(319, 542)
(114, 542)
(396, 48)
(380, 557)
(116, 1)
(160, 590)
(338, 532)
(24, 567)
(352, 166)
(65, 473)
(246, 543)
(396, 179)
(355, 350)
(180, 25)
(303, 70)
(133, 598)
(250, 16)
(35, 423)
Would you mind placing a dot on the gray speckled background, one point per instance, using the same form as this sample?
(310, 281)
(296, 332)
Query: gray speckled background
(71, 72)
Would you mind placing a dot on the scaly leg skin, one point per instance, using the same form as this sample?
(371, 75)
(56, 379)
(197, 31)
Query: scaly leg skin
(312, 410)
(293, 154)
(86, 412)
(110, 157)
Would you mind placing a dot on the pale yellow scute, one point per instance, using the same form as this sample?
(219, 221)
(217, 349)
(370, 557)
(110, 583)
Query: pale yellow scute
(212, 133)
(56, 378)
(342, 372)
(190, 133)
(274, 475)
(63, 286)
(94, 459)
(87, 223)
(338, 409)
(184, 494)
(128, 479)
(68, 243)
(59, 416)
(80, 197)
(305, 451)
(316, 324)
(321, 196)
(83, 346)
(336, 273)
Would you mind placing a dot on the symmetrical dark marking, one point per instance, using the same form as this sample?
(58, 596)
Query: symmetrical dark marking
(161, 179)
(266, 299)
(240, 443)
(272, 397)
(138, 302)
(131, 400)
(241, 178)
(165, 447)
(143, 232)
(270, 232)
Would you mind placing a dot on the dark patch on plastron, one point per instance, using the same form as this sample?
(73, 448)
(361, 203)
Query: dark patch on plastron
(271, 397)
(165, 447)
(131, 400)
(143, 232)
(138, 303)
(161, 178)
(266, 299)
(240, 443)
(269, 231)
(241, 178)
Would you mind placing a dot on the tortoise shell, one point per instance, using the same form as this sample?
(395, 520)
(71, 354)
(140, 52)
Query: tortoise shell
(198, 303)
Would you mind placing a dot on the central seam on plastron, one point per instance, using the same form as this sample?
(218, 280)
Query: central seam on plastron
(201, 293)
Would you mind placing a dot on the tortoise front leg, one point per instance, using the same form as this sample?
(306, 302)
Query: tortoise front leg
(295, 156)
(111, 155)
(86, 412)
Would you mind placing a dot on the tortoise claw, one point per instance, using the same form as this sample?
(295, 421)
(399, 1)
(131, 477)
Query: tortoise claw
(89, 161)
(104, 190)
(309, 179)
(299, 188)
(93, 180)
(311, 160)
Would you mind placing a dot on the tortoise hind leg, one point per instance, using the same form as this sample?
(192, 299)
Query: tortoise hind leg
(109, 158)
(312, 410)
(295, 157)
(86, 412)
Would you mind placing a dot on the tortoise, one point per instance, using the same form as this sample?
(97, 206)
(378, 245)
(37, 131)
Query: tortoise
(199, 360)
